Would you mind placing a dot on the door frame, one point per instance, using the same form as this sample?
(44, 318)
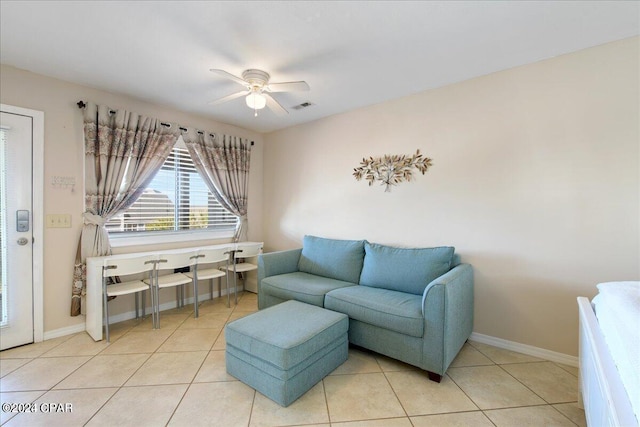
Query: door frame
(37, 212)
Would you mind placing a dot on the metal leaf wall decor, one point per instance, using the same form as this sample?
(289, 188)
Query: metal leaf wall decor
(391, 169)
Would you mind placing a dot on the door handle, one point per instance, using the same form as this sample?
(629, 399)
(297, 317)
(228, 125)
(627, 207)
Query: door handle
(23, 241)
(22, 220)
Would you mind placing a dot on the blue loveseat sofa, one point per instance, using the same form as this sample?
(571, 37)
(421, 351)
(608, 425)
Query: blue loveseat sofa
(411, 304)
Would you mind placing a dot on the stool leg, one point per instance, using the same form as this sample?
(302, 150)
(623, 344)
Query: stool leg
(106, 308)
(105, 299)
(144, 303)
(137, 297)
(153, 307)
(157, 306)
(195, 295)
(235, 284)
(154, 316)
(228, 290)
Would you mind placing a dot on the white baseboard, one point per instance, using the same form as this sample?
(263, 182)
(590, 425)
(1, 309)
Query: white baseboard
(69, 330)
(529, 350)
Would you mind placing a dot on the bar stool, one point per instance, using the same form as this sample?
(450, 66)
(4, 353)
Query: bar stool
(206, 257)
(240, 252)
(171, 261)
(124, 267)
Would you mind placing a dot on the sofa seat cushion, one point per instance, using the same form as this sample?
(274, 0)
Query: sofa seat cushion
(301, 286)
(396, 311)
(404, 269)
(332, 258)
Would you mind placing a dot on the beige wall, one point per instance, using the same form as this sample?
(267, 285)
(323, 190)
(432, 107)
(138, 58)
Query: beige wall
(64, 157)
(535, 181)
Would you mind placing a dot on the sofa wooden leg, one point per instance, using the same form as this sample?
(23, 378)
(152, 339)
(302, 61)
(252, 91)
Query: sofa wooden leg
(434, 377)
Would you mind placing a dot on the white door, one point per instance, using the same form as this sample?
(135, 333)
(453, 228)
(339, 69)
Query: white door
(16, 230)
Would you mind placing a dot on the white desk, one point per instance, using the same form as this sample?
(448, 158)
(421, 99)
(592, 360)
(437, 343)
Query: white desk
(93, 298)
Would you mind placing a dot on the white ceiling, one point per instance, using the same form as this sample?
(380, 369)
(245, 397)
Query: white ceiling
(351, 53)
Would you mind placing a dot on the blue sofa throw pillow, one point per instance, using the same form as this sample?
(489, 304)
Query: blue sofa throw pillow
(335, 259)
(404, 270)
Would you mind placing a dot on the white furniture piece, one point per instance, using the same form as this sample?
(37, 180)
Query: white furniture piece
(170, 261)
(241, 252)
(93, 298)
(607, 399)
(204, 258)
(124, 267)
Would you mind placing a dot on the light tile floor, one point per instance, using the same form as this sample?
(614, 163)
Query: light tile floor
(176, 376)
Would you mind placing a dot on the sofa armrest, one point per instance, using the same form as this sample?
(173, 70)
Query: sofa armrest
(447, 306)
(274, 263)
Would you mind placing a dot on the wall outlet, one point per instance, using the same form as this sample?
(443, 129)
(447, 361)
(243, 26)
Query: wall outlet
(59, 221)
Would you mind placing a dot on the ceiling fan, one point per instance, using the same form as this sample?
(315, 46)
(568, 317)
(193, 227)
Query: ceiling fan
(258, 90)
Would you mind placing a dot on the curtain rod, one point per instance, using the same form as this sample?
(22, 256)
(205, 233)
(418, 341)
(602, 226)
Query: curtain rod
(81, 104)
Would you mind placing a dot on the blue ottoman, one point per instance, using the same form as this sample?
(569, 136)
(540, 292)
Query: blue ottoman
(286, 349)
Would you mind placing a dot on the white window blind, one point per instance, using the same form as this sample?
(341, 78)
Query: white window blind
(176, 199)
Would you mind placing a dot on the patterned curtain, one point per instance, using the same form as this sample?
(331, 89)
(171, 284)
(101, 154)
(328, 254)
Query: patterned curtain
(223, 162)
(123, 152)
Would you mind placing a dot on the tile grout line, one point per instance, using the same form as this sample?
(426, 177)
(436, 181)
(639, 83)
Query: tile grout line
(173, 413)
(92, 357)
(527, 387)
(16, 413)
(326, 399)
(469, 397)
(542, 405)
(546, 403)
(395, 393)
(154, 352)
(498, 365)
(10, 372)
(561, 366)
(119, 388)
(230, 314)
(463, 391)
(102, 406)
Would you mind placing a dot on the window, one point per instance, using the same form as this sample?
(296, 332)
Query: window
(177, 199)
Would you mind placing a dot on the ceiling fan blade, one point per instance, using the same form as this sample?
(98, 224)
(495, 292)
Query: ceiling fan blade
(229, 97)
(288, 87)
(275, 105)
(229, 76)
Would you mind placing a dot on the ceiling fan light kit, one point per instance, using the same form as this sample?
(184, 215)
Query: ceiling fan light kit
(256, 101)
(258, 90)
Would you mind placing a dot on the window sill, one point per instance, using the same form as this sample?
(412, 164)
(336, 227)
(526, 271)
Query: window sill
(169, 237)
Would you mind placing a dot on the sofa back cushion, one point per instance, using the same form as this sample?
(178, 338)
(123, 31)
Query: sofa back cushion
(404, 270)
(335, 259)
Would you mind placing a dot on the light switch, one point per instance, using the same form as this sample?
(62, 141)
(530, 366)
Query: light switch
(59, 221)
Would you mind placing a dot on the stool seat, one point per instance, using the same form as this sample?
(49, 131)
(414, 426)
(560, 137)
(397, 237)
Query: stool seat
(286, 349)
(125, 288)
(209, 273)
(241, 267)
(170, 280)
